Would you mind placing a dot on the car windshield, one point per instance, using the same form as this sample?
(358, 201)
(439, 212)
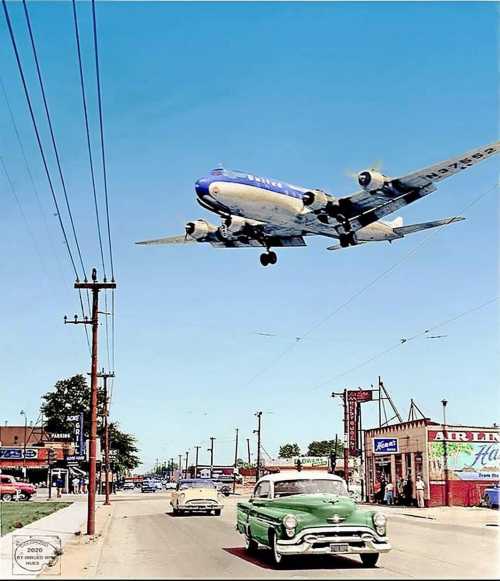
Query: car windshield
(200, 483)
(311, 486)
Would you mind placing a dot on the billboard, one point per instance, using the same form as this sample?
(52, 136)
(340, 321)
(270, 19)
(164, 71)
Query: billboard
(471, 454)
(354, 398)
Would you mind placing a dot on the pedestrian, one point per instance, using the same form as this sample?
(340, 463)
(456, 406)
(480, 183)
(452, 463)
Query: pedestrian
(83, 488)
(389, 493)
(382, 490)
(420, 487)
(408, 492)
(399, 490)
(59, 485)
(76, 485)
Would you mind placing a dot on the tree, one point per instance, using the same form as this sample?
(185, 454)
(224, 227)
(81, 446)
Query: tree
(70, 397)
(289, 450)
(324, 448)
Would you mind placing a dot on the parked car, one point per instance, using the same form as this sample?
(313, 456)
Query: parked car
(170, 485)
(8, 492)
(128, 486)
(490, 496)
(310, 513)
(26, 490)
(196, 495)
(148, 486)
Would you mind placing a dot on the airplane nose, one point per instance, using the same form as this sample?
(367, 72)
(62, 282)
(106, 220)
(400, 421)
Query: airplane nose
(201, 187)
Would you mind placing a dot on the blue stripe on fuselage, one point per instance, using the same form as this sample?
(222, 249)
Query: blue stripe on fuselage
(276, 186)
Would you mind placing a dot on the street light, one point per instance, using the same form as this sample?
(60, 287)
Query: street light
(23, 413)
(444, 403)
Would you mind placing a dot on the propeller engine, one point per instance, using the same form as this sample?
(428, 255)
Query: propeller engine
(371, 180)
(315, 199)
(199, 229)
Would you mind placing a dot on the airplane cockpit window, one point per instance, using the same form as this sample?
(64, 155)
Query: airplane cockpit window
(228, 173)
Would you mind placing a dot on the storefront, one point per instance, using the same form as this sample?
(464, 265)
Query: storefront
(455, 463)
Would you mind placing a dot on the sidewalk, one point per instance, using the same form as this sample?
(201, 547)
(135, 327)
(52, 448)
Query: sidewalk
(474, 516)
(64, 523)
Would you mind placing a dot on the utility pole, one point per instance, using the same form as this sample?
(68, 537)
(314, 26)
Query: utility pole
(248, 450)
(444, 402)
(235, 460)
(180, 466)
(105, 377)
(211, 450)
(95, 287)
(258, 432)
(196, 461)
(187, 456)
(23, 413)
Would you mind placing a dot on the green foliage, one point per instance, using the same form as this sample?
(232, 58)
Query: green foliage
(452, 449)
(324, 448)
(289, 450)
(70, 397)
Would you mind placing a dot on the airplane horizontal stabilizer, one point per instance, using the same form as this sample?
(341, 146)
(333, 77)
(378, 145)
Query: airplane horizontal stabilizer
(169, 240)
(338, 247)
(412, 228)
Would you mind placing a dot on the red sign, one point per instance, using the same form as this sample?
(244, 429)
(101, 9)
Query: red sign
(454, 435)
(354, 398)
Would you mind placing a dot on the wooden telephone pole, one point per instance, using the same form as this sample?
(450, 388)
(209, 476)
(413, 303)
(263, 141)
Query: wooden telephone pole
(235, 460)
(197, 448)
(211, 450)
(105, 377)
(258, 431)
(94, 287)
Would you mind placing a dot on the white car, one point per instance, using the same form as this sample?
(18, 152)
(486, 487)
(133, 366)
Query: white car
(196, 495)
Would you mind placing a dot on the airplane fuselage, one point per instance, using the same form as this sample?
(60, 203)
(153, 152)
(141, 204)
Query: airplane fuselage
(267, 200)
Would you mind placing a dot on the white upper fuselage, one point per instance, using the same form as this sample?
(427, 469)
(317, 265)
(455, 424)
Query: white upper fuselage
(271, 201)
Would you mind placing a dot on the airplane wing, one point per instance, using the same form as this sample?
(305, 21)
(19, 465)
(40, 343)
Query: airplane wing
(169, 240)
(366, 207)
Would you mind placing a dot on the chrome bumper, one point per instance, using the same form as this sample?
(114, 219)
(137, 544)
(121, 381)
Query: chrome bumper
(200, 507)
(317, 541)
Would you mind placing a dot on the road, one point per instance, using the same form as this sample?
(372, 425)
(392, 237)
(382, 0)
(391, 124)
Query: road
(144, 540)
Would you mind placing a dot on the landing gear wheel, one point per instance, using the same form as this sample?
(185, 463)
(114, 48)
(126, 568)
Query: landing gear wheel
(273, 259)
(264, 259)
(251, 546)
(369, 559)
(347, 240)
(277, 557)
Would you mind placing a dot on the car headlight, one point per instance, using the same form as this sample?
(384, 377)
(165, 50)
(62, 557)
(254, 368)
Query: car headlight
(380, 521)
(290, 522)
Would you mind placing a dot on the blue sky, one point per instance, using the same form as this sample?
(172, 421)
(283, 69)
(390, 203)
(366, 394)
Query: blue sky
(300, 92)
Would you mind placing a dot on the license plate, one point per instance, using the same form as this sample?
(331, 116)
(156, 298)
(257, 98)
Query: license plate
(339, 548)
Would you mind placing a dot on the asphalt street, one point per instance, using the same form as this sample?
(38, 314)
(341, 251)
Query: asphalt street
(145, 540)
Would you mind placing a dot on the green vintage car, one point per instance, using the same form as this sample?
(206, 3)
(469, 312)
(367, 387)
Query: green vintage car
(310, 513)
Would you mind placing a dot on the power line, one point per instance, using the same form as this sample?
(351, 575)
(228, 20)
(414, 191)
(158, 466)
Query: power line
(363, 289)
(101, 127)
(51, 130)
(30, 175)
(400, 343)
(87, 131)
(40, 146)
(37, 134)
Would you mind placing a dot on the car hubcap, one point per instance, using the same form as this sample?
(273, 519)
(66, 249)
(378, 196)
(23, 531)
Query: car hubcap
(277, 556)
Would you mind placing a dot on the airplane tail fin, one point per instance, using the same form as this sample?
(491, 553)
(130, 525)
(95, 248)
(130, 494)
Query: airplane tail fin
(412, 228)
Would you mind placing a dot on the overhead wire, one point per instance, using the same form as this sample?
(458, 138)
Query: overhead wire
(30, 175)
(105, 182)
(363, 289)
(42, 152)
(400, 343)
(52, 136)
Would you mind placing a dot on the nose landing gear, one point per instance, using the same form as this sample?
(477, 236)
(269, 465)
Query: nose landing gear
(268, 257)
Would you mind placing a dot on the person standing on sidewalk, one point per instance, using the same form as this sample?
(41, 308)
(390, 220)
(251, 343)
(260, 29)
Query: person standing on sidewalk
(420, 487)
(59, 485)
(389, 493)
